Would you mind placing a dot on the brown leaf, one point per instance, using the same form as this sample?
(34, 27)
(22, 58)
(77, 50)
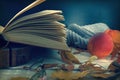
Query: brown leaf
(19, 78)
(70, 57)
(93, 68)
(104, 75)
(68, 75)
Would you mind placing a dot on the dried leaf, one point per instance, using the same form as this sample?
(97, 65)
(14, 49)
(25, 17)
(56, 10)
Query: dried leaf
(113, 66)
(70, 57)
(92, 58)
(68, 67)
(19, 78)
(98, 70)
(86, 66)
(80, 74)
(93, 68)
(68, 75)
(103, 75)
(62, 75)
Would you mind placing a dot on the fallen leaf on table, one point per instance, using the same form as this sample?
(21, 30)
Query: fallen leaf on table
(82, 74)
(62, 75)
(19, 78)
(92, 58)
(103, 75)
(71, 57)
(68, 75)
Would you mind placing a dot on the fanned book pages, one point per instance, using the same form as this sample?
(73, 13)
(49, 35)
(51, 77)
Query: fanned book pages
(39, 29)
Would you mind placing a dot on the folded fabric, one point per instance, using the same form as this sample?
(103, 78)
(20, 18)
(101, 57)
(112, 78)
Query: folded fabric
(75, 40)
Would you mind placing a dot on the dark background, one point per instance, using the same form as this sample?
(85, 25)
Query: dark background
(82, 12)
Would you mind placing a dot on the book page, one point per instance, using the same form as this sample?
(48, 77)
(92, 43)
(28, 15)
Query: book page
(44, 31)
(37, 25)
(36, 41)
(1, 29)
(46, 34)
(39, 16)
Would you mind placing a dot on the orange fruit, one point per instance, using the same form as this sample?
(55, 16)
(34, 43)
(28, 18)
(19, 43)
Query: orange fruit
(100, 45)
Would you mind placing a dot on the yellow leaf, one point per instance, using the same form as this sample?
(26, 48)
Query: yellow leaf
(80, 74)
(68, 75)
(19, 78)
(104, 75)
(92, 58)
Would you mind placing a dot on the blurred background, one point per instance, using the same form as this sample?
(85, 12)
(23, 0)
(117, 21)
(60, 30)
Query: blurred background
(82, 12)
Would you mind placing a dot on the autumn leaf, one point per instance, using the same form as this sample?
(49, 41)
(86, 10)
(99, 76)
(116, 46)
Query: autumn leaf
(19, 78)
(103, 75)
(68, 75)
(68, 55)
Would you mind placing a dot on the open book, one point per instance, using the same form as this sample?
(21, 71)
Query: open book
(39, 29)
